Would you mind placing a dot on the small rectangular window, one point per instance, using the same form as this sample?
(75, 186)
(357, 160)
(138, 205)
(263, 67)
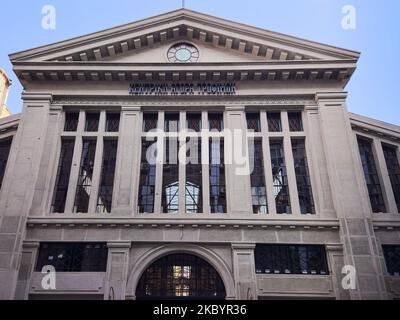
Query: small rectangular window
(217, 176)
(392, 259)
(253, 121)
(150, 121)
(274, 122)
(73, 257)
(295, 122)
(371, 175)
(393, 167)
(171, 122)
(215, 121)
(112, 122)
(193, 121)
(83, 189)
(291, 259)
(92, 122)
(63, 175)
(104, 201)
(147, 183)
(71, 121)
(5, 146)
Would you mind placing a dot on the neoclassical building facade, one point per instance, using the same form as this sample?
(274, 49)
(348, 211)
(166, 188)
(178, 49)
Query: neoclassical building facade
(279, 191)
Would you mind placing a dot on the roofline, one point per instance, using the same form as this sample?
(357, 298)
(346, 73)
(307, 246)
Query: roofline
(182, 13)
(363, 120)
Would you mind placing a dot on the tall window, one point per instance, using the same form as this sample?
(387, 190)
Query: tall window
(393, 167)
(274, 122)
(279, 176)
(371, 175)
(147, 184)
(193, 121)
(170, 190)
(392, 259)
(257, 178)
(291, 259)
(104, 201)
(217, 176)
(92, 122)
(5, 146)
(302, 176)
(63, 175)
(171, 122)
(215, 121)
(194, 177)
(73, 257)
(253, 121)
(295, 122)
(85, 178)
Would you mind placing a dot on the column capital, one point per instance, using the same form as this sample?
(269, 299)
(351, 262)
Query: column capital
(235, 108)
(119, 244)
(128, 109)
(37, 97)
(243, 246)
(330, 97)
(31, 244)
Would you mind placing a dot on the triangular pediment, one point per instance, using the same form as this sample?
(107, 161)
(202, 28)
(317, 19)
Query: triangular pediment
(218, 40)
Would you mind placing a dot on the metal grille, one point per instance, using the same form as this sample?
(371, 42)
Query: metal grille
(104, 201)
(274, 122)
(147, 183)
(71, 121)
(193, 122)
(291, 259)
(302, 176)
(171, 122)
(215, 121)
(150, 121)
(170, 191)
(217, 176)
(180, 276)
(73, 257)
(279, 176)
(194, 178)
(63, 173)
(371, 175)
(5, 146)
(85, 178)
(92, 122)
(295, 122)
(112, 123)
(253, 122)
(393, 166)
(257, 178)
(392, 259)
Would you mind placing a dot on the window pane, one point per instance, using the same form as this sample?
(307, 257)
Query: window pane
(295, 122)
(193, 122)
(291, 259)
(302, 176)
(104, 201)
(71, 121)
(63, 173)
(253, 121)
(392, 259)
(85, 178)
(5, 146)
(194, 177)
(279, 176)
(73, 257)
(112, 123)
(150, 121)
(170, 190)
(215, 121)
(171, 122)
(274, 122)
(217, 176)
(393, 167)
(257, 177)
(371, 175)
(147, 183)
(92, 122)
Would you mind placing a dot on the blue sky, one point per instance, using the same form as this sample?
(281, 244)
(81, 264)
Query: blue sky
(373, 90)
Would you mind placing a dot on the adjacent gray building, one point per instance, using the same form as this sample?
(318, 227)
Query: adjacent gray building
(280, 192)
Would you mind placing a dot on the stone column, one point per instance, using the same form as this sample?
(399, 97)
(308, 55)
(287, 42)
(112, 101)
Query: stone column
(128, 162)
(244, 271)
(236, 148)
(117, 270)
(349, 198)
(18, 187)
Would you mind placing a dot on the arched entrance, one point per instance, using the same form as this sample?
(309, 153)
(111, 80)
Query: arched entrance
(180, 276)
